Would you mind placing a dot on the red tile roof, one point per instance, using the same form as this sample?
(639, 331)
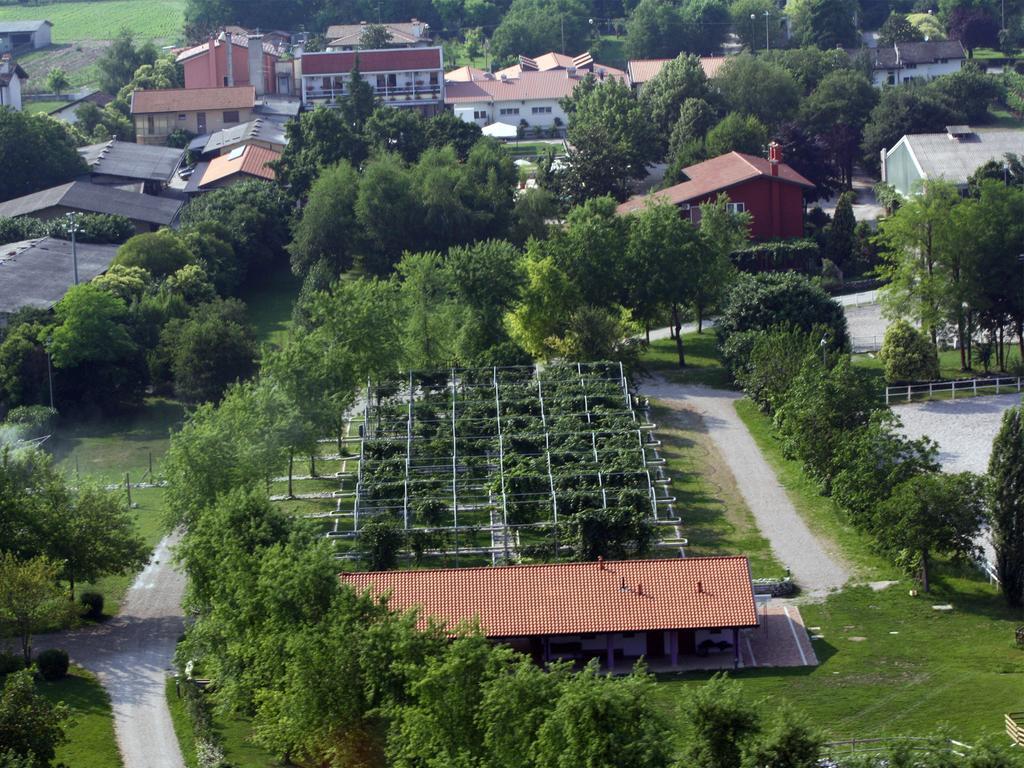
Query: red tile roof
(391, 60)
(547, 62)
(464, 75)
(643, 70)
(571, 598)
(250, 159)
(241, 40)
(714, 175)
(193, 99)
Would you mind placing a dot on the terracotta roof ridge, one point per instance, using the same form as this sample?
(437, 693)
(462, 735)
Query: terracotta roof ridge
(534, 566)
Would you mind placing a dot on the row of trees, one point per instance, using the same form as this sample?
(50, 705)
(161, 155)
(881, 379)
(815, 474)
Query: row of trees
(952, 265)
(819, 105)
(785, 342)
(50, 532)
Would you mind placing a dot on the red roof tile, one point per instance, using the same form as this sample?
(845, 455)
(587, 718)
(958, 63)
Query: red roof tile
(391, 60)
(717, 174)
(250, 159)
(571, 598)
(643, 70)
(193, 99)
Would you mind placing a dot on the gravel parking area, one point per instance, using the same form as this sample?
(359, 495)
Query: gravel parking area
(964, 429)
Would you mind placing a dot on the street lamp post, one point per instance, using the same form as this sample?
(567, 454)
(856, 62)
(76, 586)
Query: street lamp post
(767, 43)
(72, 219)
(753, 45)
(49, 376)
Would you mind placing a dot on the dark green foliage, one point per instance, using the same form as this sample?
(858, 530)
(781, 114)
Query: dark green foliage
(254, 216)
(36, 152)
(92, 228)
(530, 27)
(326, 232)
(654, 30)
(903, 110)
(737, 133)
(751, 85)
(908, 354)
(680, 81)
(774, 299)
(720, 721)
(765, 362)
(969, 91)
(931, 513)
(837, 111)
(121, 59)
(30, 727)
(52, 663)
(159, 253)
(841, 239)
(92, 603)
(873, 460)
(209, 350)
(617, 533)
(778, 256)
(824, 23)
(897, 29)
(380, 542)
(1006, 470)
(10, 662)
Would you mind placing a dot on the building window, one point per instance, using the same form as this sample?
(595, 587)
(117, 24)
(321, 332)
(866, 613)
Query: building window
(381, 82)
(182, 116)
(737, 207)
(479, 114)
(150, 124)
(891, 78)
(231, 117)
(541, 110)
(433, 78)
(510, 110)
(910, 66)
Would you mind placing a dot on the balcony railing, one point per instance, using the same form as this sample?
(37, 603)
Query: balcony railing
(387, 93)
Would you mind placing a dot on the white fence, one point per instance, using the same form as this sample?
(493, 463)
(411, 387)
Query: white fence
(860, 344)
(906, 393)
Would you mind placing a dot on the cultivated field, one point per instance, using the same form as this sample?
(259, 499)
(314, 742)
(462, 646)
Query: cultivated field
(102, 19)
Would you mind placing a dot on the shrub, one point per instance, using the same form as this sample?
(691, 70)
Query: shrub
(93, 604)
(34, 420)
(778, 256)
(52, 663)
(908, 354)
(10, 662)
(159, 253)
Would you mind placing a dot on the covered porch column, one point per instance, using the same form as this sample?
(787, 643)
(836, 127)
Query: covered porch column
(735, 648)
(673, 647)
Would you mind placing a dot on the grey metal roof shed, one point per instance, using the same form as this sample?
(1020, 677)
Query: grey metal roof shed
(37, 273)
(129, 160)
(96, 198)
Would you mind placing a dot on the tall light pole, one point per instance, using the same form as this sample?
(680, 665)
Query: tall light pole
(753, 45)
(767, 43)
(72, 219)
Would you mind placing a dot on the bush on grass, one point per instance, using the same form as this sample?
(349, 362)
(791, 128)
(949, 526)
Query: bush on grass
(52, 664)
(92, 602)
(10, 662)
(908, 354)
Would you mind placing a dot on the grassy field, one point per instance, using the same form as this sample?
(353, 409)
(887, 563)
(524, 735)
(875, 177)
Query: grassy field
(703, 365)
(270, 306)
(91, 741)
(612, 51)
(42, 107)
(77, 60)
(1001, 117)
(103, 19)
(715, 519)
(891, 665)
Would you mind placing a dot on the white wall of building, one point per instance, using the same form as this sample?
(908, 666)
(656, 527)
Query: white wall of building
(920, 72)
(10, 95)
(538, 113)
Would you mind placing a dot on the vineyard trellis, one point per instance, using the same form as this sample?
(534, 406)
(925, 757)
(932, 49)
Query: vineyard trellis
(496, 462)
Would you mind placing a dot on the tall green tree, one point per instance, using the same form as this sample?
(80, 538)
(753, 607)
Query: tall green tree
(654, 30)
(679, 80)
(36, 152)
(721, 720)
(1006, 470)
(30, 597)
(837, 111)
(931, 514)
(327, 230)
(121, 58)
(31, 727)
(897, 29)
(752, 85)
(841, 240)
(824, 23)
(737, 133)
(723, 232)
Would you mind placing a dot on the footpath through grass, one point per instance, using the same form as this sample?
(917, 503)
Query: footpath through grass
(892, 665)
(703, 364)
(715, 518)
(91, 742)
(103, 19)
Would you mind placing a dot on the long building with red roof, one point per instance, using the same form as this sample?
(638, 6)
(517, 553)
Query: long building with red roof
(617, 611)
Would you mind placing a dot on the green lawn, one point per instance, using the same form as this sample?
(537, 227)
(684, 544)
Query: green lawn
(42, 107)
(822, 515)
(715, 518)
(91, 742)
(611, 50)
(102, 19)
(270, 305)
(234, 733)
(891, 665)
(703, 364)
(1001, 117)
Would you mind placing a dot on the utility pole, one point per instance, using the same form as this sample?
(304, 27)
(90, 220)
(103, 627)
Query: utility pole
(767, 43)
(73, 228)
(561, 23)
(49, 376)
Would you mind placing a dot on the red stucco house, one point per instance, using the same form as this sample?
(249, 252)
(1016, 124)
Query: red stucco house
(253, 62)
(771, 191)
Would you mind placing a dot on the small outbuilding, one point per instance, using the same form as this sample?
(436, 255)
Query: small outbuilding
(124, 162)
(147, 212)
(614, 611)
(37, 273)
(26, 33)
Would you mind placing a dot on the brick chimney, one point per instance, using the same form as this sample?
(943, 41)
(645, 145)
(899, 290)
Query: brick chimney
(774, 157)
(257, 75)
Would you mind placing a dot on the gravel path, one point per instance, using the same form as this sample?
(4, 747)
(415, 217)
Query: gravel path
(131, 655)
(814, 565)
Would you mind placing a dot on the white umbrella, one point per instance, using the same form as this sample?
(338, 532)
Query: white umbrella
(500, 131)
